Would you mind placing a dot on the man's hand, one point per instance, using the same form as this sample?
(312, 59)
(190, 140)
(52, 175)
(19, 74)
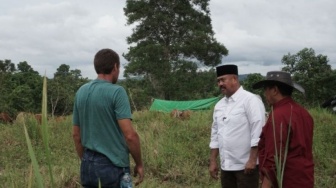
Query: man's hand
(250, 166)
(138, 171)
(213, 169)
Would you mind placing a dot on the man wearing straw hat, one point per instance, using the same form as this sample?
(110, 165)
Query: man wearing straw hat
(287, 137)
(237, 122)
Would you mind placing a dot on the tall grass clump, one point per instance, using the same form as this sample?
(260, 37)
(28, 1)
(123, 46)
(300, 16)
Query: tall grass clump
(35, 165)
(324, 147)
(45, 138)
(33, 128)
(280, 156)
(45, 129)
(175, 151)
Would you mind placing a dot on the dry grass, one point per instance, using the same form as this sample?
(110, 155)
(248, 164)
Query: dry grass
(175, 152)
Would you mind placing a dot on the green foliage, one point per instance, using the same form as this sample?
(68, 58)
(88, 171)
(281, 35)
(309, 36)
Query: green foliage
(45, 138)
(281, 152)
(175, 152)
(25, 67)
(139, 92)
(324, 147)
(7, 66)
(62, 89)
(33, 128)
(21, 89)
(192, 85)
(184, 85)
(45, 129)
(6, 70)
(170, 36)
(34, 161)
(251, 79)
(312, 72)
(15, 162)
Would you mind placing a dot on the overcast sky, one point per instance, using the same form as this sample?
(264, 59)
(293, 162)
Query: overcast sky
(257, 33)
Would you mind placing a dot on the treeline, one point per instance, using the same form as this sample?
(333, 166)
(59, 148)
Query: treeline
(170, 43)
(21, 85)
(179, 86)
(311, 71)
(21, 89)
(172, 40)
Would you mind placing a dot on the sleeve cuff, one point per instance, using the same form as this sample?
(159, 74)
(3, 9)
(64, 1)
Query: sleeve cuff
(254, 142)
(213, 145)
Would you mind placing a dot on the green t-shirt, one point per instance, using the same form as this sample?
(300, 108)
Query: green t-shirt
(97, 108)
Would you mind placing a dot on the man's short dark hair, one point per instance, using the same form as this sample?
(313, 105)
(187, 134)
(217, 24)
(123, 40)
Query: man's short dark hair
(105, 60)
(284, 89)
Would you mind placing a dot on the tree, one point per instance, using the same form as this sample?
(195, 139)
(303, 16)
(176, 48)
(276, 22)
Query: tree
(250, 80)
(20, 88)
(311, 71)
(7, 68)
(25, 67)
(62, 71)
(27, 89)
(138, 91)
(62, 89)
(170, 36)
(188, 85)
(22, 99)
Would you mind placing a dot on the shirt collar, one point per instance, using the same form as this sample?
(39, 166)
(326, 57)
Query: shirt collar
(282, 102)
(236, 95)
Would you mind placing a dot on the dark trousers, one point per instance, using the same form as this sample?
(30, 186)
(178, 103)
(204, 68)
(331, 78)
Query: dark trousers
(238, 179)
(96, 167)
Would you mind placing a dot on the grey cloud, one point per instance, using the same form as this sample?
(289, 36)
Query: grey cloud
(257, 33)
(262, 32)
(47, 35)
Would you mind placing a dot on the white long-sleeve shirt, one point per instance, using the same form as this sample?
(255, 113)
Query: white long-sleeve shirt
(236, 127)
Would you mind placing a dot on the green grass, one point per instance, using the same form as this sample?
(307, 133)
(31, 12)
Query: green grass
(175, 152)
(324, 148)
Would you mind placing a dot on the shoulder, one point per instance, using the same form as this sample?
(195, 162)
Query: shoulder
(300, 109)
(219, 103)
(84, 87)
(119, 88)
(118, 92)
(115, 88)
(246, 95)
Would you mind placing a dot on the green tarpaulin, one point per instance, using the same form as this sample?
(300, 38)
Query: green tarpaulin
(168, 106)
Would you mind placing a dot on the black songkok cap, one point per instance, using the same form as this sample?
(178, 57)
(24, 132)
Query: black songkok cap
(226, 69)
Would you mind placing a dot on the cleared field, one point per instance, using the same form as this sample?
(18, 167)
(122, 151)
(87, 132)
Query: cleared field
(175, 151)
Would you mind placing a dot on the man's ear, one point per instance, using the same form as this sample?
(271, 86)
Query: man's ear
(116, 66)
(275, 90)
(235, 78)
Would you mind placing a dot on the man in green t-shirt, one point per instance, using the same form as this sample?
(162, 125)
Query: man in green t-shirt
(102, 131)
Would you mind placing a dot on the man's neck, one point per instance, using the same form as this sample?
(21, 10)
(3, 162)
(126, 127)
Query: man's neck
(106, 77)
